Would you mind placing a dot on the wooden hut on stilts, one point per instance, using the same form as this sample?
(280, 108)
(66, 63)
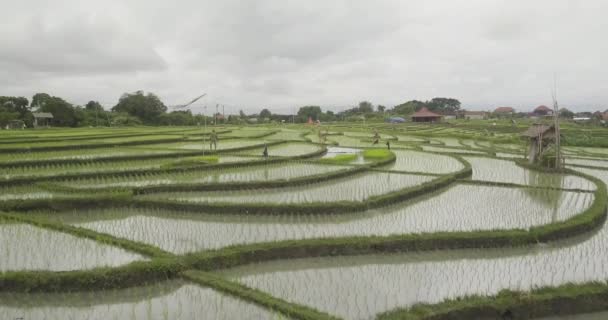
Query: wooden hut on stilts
(541, 138)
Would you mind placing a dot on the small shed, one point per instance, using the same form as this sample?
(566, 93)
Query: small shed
(424, 115)
(42, 118)
(476, 115)
(15, 124)
(540, 136)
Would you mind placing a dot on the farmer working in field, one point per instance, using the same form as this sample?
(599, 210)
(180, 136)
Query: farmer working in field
(376, 137)
(213, 140)
(265, 152)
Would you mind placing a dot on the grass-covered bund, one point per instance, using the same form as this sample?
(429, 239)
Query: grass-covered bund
(198, 267)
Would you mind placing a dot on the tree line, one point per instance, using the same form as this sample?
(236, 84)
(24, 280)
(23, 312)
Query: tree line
(140, 108)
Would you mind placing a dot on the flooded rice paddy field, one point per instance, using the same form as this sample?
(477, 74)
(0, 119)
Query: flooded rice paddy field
(495, 170)
(291, 149)
(416, 161)
(260, 173)
(449, 210)
(378, 283)
(25, 247)
(500, 194)
(358, 187)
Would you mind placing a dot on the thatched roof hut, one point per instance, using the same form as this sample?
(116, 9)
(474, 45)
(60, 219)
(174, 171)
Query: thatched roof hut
(540, 136)
(424, 115)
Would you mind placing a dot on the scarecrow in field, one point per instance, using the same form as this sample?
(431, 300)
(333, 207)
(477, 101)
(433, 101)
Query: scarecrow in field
(265, 152)
(388, 144)
(376, 137)
(213, 140)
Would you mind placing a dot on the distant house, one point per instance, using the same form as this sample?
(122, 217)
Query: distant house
(475, 115)
(42, 119)
(543, 111)
(504, 110)
(449, 115)
(424, 115)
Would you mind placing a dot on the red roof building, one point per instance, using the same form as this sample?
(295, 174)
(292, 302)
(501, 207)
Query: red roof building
(543, 110)
(504, 110)
(424, 115)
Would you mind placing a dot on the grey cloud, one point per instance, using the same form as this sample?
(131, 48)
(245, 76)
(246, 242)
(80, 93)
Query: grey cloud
(281, 54)
(78, 44)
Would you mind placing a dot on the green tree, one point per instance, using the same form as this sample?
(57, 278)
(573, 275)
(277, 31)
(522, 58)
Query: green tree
(265, 114)
(443, 104)
(366, 107)
(177, 118)
(148, 108)
(15, 104)
(7, 115)
(125, 119)
(39, 99)
(313, 112)
(64, 114)
(93, 106)
(565, 113)
(381, 108)
(408, 107)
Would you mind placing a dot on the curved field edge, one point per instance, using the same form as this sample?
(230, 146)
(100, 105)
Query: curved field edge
(178, 187)
(122, 197)
(202, 166)
(177, 138)
(567, 299)
(163, 266)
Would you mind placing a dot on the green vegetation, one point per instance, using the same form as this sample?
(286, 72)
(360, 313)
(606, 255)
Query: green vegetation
(377, 154)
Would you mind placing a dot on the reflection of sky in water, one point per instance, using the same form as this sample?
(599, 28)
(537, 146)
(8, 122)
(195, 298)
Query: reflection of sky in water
(495, 170)
(24, 247)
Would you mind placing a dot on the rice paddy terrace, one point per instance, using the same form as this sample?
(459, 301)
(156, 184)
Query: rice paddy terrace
(150, 223)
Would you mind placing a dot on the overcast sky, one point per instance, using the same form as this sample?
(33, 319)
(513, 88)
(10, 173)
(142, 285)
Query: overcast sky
(282, 54)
